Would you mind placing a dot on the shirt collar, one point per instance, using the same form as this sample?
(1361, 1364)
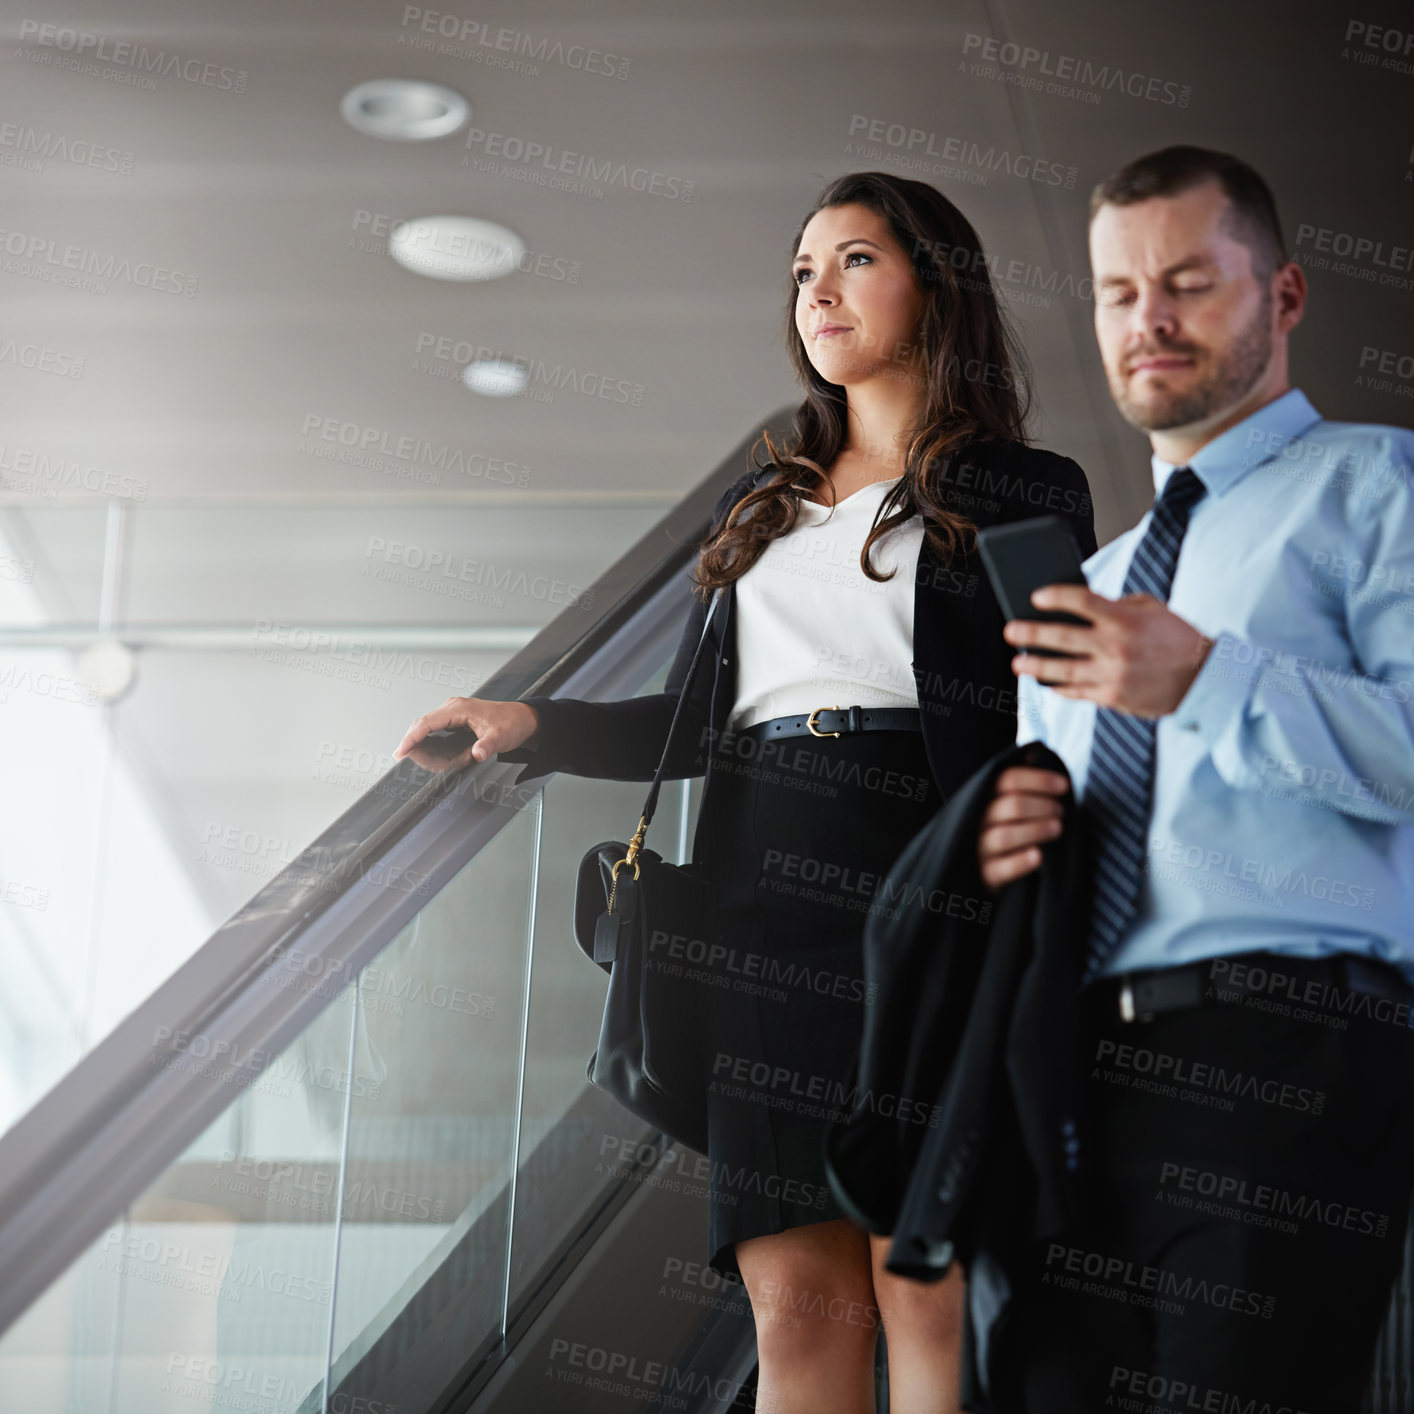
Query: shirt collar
(1246, 444)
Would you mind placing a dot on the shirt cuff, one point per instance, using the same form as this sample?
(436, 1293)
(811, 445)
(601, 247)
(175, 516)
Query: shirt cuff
(1218, 694)
(1030, 724)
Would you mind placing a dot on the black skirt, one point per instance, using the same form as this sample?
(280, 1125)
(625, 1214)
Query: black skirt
(798, 835)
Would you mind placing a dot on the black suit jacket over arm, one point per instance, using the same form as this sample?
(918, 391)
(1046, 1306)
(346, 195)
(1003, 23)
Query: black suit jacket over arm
(967, 1137)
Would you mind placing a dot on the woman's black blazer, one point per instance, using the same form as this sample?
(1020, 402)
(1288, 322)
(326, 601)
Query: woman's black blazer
(961, 662)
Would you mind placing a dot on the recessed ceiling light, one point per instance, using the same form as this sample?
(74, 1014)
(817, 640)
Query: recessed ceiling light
(405, 110)
(495, 377)
(455, 247)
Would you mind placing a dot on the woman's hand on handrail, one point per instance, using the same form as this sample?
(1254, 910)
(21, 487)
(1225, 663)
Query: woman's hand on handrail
(498, 726)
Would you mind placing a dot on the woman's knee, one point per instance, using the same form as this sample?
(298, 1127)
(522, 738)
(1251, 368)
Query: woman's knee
(810, 1286)
(932, 1310)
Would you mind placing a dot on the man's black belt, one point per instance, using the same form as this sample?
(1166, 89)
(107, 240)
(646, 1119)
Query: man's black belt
(832, 721)
(1236, 979)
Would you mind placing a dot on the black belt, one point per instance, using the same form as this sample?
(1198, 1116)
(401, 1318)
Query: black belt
(1214, 981)
(831, 721)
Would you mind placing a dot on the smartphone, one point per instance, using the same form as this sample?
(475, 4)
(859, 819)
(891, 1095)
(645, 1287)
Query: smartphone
(1022, 556)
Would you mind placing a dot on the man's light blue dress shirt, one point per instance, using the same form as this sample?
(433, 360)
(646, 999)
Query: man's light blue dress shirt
(1283, 811)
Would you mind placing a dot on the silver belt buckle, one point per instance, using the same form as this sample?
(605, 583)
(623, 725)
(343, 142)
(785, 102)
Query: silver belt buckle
(1126, 1000)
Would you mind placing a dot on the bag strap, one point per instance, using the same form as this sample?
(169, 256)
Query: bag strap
(651, 804)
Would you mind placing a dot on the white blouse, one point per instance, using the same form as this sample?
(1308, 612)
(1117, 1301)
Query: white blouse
(812, 630)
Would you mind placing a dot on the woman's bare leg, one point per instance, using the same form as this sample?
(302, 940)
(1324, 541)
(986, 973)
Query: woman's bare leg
(816, 1322)
(923, 1330)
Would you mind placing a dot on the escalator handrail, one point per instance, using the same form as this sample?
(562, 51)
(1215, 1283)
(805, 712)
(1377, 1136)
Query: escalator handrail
(132, 1105)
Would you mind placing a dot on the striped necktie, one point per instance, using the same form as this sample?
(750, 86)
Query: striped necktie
(1119, 787)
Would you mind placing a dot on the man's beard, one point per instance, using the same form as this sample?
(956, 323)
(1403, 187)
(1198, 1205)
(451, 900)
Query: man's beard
(1233, 376)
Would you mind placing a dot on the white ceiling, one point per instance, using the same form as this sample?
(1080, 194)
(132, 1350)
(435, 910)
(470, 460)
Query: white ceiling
(298, 314)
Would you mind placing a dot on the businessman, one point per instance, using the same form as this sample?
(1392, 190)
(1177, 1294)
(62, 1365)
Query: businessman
(1237, 721)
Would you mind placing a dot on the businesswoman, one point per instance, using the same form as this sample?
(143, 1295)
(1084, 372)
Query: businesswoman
(856, 674)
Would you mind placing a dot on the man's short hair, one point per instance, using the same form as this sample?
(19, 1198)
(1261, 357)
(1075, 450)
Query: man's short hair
(1252, 210)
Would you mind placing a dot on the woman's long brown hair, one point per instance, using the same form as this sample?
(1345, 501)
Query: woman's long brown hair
(977, 387)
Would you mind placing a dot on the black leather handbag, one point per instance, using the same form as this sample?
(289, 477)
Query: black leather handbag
(637, 916)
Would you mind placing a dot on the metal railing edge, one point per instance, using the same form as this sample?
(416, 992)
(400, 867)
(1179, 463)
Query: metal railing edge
(65, 1147)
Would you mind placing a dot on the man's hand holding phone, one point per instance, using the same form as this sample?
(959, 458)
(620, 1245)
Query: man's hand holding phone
(1133, 654)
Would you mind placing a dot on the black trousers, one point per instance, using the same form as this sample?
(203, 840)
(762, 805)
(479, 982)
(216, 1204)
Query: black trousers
(1252, 1170)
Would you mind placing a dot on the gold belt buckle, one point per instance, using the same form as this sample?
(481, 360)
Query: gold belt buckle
(810, 720)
